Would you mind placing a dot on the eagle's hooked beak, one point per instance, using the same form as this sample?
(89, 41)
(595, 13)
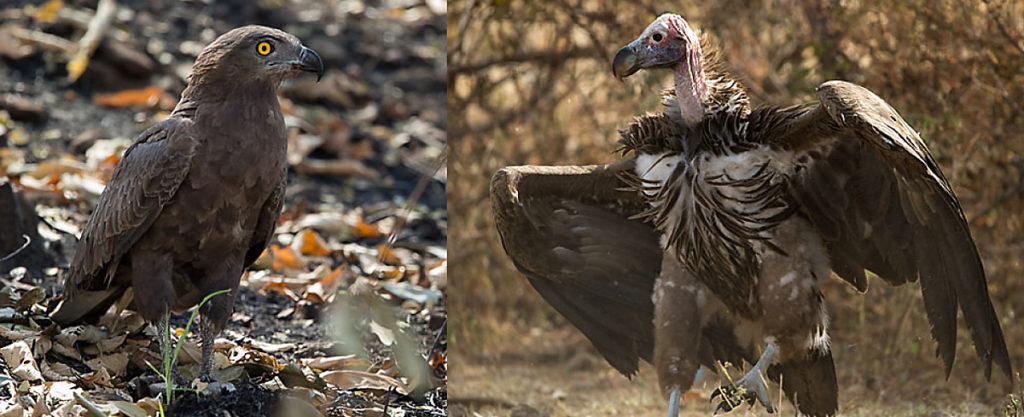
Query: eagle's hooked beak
(310, 61)
(625, 62)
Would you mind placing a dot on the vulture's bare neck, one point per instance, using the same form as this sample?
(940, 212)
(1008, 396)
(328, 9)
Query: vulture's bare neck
(691, 87)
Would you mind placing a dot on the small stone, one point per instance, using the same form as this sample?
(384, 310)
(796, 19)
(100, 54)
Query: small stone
(559, 395)
(23, 109)
(217, 388)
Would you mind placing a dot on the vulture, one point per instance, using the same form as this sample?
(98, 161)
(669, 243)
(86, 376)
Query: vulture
(195, 198)
(710, 240)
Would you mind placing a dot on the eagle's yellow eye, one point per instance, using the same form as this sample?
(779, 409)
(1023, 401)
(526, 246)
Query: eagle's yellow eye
(264, 48)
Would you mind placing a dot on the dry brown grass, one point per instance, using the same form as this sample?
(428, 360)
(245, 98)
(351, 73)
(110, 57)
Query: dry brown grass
(530, 83)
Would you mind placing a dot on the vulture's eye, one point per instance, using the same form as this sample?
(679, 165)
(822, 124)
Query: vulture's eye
(657, 37)
(264, 48)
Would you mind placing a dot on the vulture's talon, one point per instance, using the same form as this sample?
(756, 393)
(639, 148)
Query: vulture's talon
(752, 386)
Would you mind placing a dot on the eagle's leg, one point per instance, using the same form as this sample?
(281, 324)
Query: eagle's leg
(208, 333)
(752, 386)
(216, 311)
(152, 282)
(677, 332)
(167, 352)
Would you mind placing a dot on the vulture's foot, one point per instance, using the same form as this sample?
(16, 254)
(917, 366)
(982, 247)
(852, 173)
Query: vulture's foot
(673, 403)
(752, 386)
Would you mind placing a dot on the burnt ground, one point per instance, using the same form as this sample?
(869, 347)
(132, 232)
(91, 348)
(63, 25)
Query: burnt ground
(363, 143)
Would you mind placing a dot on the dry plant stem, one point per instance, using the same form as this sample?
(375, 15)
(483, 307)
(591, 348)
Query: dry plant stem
(28, 241)
(414, 196)
(90, 409)
(94, 34)
(43, 40)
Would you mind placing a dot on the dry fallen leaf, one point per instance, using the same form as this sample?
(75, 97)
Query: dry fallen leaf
(99, 377)
(19, 355)
(265, 261)
(310, 243)
(384, 334)
(323, 290)
(131, 409)
(337, 363)
(281, 287)
(76, 66)
(364, 229)
(336, 167)
(60, 391)
(349, 379)
(115, 363)
(144, 97)
(47, 13)
(386, 255)
(272, 347)
(284, 257)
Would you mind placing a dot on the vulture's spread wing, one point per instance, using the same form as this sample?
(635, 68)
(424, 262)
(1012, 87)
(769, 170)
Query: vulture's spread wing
(568, 230)
(144, 181)
(882, 205)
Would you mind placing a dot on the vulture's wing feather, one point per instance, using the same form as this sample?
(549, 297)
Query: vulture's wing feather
(568, 230)
(882, 204)
(144, 181)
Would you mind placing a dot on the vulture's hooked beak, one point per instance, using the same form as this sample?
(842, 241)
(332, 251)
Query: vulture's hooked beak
(311, 62)
(625, 62)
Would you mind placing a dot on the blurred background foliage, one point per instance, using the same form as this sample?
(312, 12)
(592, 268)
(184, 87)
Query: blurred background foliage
(530, 83)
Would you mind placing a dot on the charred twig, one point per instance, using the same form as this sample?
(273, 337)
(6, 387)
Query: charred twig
(437, 339)
(28, 241)
(1001, 25)
(414, 196)
(1006, 196)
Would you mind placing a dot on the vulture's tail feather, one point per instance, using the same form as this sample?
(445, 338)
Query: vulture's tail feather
(810, 383)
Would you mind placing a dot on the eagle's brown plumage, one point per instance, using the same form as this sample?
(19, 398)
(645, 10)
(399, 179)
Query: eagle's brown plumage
(196, 197)
(753, 207)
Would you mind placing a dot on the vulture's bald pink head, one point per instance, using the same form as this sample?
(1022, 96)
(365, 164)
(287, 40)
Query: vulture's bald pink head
(669, 42)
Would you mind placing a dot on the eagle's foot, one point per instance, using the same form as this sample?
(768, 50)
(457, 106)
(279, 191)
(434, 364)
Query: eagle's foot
(752, 386)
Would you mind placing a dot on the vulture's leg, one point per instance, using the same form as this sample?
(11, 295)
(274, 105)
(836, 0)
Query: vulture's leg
(794, 319)
(215, 313)
(677, 330)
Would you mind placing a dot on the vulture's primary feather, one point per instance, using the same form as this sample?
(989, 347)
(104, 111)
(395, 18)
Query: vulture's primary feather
(710, 240)
(196, 197)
